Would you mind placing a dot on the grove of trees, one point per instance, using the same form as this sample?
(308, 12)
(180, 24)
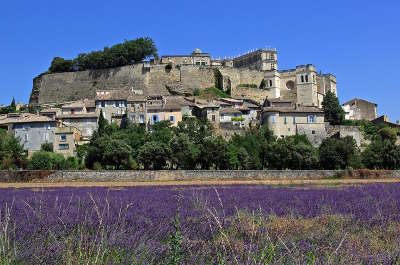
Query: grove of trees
(192, 145)
(126, 53)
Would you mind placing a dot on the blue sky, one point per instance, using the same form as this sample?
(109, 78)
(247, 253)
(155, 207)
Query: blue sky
(358, 41)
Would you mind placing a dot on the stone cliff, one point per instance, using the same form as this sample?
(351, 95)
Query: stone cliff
(151, 80)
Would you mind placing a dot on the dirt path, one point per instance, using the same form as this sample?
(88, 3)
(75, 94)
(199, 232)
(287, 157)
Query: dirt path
(197, 182)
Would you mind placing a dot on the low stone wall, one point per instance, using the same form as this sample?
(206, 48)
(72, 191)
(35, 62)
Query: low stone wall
(171, 175)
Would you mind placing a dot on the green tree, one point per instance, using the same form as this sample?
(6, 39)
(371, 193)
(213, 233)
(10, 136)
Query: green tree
(154, 155)
(184, 153)
(387, 133)
(102, 124)
(60, 65)
(12, 153)
(214, 153)
(334, 113)
(161, 132)
(293, 152)
(381, 154)
(129, 52)
(13, 107)
(339, 153)
(116, 154)
(197, 130)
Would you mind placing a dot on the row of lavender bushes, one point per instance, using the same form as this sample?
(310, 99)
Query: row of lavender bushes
(201, 225)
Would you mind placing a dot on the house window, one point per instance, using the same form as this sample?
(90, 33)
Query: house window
(203, 63)
(63, 146)
(63, 137)
(285, 120)
(302, 79)
(141, 118)
(270, 82)
(172, 118)
(312, 132)
(46, 137)
(103, 104)
(117, 104)
(294, 120)
(306, 78)
(26, 137)
(154, 119)
(213, 118)
(273, 119)
(197, 63)
(72, 111)
(311, 118)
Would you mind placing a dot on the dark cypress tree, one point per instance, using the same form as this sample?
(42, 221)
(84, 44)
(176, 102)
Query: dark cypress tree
(13, 107)
(334, 113)
(102, 123)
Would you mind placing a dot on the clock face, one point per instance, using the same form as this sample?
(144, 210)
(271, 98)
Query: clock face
(290, 85)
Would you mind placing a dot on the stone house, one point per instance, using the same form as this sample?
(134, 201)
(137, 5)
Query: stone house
(230, 115)
(31, 129)
(86, 123)
(136, 111)
(209, 111)
(77, 107)
(113, 103)
(65, 141)
(359, 109)
(286, 121)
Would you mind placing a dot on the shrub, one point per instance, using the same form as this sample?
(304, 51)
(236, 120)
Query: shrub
(47, 147)
(41, 161)
(237, 119)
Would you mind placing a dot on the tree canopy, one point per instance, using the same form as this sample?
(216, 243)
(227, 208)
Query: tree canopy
(126, 53)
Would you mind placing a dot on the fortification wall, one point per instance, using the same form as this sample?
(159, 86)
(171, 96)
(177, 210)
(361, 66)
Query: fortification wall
(188, 175)
(69, 86)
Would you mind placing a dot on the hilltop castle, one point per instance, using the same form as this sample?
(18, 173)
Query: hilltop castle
(254, 75)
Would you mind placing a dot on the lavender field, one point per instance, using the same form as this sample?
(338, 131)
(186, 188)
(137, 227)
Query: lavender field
(201, 225)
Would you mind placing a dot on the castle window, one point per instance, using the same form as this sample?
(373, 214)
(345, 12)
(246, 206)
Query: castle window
(302, 79)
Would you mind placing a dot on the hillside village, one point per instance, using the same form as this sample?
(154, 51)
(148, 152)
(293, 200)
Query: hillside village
(233, 94)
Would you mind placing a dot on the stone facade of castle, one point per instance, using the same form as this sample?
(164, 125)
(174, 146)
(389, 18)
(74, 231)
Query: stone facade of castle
(183, 74)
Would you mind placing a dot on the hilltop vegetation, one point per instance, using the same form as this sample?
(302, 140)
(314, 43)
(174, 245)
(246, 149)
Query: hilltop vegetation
(126, 53)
